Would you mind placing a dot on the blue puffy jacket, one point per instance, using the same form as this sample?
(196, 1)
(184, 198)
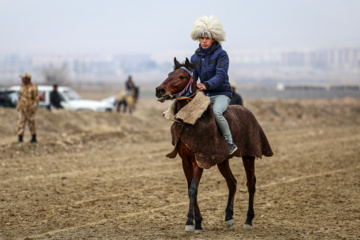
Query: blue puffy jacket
(211, 66)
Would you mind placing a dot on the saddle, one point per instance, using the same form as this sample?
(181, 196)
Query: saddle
(195, 126)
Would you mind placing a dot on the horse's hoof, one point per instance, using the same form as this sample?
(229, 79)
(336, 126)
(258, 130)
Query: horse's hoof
(230, 223)
(198, 230)
(248, 227)
(189, 228)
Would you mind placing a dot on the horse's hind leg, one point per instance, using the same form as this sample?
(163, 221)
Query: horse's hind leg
(125, 106)
(225, 170)
(193, 175)
(249, 165)
(118, 105)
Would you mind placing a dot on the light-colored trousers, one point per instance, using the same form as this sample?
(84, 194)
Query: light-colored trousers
(220, 104)
(26, 116)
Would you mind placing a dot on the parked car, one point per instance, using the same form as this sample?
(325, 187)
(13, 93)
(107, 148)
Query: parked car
(71, 100)
(8, 98)
(111, 100)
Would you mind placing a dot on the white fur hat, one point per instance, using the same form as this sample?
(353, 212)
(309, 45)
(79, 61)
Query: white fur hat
(210, 26)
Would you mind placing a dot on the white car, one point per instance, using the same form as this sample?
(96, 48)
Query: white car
(70, 99)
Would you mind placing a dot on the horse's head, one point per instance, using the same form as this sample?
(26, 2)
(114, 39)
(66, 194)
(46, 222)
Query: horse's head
(177, 83)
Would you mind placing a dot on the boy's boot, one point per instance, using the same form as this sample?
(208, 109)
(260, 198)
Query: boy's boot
(232, 148)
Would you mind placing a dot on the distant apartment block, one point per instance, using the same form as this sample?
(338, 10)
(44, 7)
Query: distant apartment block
(333, 59)
(337, 59)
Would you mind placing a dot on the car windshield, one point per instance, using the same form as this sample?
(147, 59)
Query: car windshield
(71, 95)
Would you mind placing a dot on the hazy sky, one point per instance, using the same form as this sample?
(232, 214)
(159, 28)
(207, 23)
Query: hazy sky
(149, 26)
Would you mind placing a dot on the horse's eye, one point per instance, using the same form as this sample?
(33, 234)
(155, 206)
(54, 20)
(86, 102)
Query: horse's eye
(182, 77)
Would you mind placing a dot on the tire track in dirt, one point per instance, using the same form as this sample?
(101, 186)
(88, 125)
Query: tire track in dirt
(145, 156)
(111, 168)
(90, 170)
(239, 189)
(211, 196)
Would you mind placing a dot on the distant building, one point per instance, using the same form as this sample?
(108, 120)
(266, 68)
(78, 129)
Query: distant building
(336, 59)
(249, 66)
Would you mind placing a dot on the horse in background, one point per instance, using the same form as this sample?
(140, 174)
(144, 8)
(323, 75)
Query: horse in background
(200, 144)
(127, 102)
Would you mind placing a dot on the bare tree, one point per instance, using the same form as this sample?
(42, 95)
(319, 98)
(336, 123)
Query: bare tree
(53, 74)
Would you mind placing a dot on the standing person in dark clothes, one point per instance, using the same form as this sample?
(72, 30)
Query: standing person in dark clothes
(55, 98)
(129, 85)
(236, 98)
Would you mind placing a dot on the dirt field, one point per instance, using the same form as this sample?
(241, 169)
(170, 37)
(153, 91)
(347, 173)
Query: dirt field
(105, 176)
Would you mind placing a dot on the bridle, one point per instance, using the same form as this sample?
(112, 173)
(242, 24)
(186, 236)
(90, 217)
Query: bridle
(188, 92)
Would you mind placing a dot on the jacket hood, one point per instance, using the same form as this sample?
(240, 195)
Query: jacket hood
(211, 49)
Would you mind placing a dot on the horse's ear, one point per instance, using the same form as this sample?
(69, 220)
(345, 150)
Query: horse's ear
(187, 63)
(176, 63)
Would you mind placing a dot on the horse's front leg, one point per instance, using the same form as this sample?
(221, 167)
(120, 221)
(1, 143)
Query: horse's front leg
(249, 164)
(193, 175)
(225, 170)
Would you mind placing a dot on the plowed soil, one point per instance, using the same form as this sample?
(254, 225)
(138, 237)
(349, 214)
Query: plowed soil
(105, 176)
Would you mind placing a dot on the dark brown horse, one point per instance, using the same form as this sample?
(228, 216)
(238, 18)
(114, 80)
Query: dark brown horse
(247, 134)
